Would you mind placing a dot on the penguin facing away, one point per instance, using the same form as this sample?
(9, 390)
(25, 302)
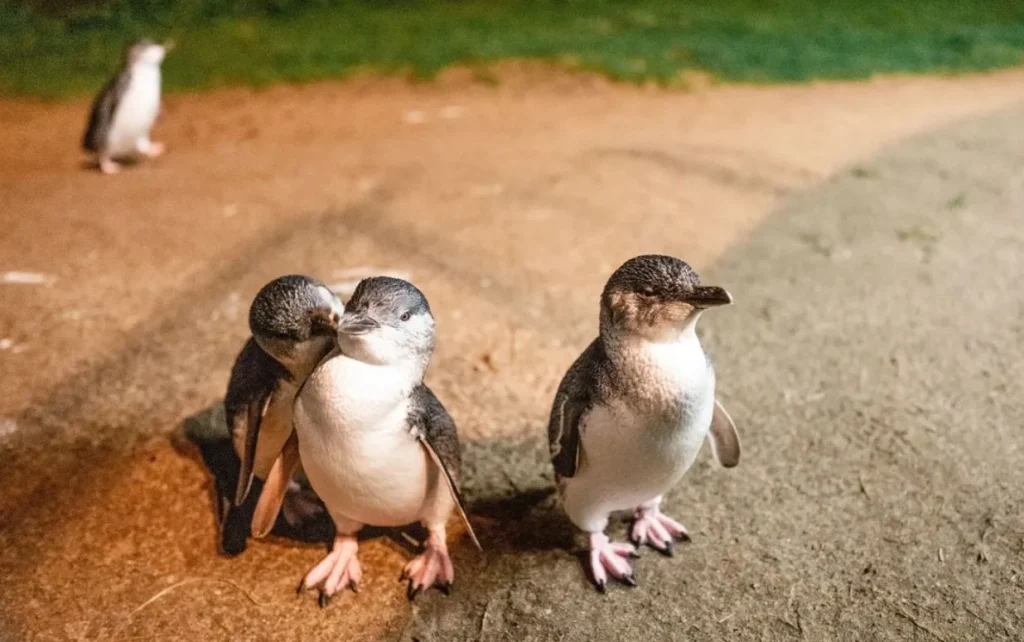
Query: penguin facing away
(632, 412)
(123, 113)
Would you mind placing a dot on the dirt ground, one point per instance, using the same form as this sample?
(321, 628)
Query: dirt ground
(871, 362)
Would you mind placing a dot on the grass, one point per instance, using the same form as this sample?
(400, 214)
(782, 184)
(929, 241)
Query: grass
(258, 42)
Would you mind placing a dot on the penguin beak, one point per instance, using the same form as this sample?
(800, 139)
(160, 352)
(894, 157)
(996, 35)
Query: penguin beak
(357, 323)
(708, 296)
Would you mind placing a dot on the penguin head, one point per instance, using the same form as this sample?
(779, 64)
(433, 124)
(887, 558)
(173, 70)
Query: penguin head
(387, 321)
(657, 296)
(294, 316)
(146, 52)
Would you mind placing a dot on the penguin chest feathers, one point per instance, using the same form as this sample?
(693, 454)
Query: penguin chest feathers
(355, 443)
(137, 109)
(663, 410)
(646, 433)
(669, 382)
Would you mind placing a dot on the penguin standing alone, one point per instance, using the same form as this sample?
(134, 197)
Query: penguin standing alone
(634, 409)
(124, 111)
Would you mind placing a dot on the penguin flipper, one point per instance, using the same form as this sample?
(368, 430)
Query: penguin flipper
(275, 488)
(257, 382)
(585, 379)
(565, 439)
(253, 420)
(101, 117)
(725, 439)
(434, 428)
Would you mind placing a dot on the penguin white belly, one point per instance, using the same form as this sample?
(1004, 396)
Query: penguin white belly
(355, 446)
(629, 454)
(136, 112)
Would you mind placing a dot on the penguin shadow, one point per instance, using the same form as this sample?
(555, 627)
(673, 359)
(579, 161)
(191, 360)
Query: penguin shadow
(205, 433)
(510, 489)
(511, 500)
(524, 522)
(93, 165)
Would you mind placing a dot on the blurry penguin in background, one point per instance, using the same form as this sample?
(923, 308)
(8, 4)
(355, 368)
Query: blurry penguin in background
(124, 111)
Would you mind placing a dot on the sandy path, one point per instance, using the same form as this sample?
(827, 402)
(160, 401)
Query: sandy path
(509, 206)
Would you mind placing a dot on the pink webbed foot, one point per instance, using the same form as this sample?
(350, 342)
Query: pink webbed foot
(339, 569)
(607, 557)
(108, 166)
(151, 149)
(432, 566)
(657, 530)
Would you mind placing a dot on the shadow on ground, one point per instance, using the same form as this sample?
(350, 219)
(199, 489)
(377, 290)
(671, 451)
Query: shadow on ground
(522, 518)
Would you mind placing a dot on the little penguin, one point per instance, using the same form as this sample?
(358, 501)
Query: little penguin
(294, 323)
(632, 412)
(123, 113)
(377, 446)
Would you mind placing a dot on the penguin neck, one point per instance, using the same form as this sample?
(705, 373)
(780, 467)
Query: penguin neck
(144, 68)
(656, 356)
(619, 338)
(302, 358)
(143, 63)
(407, 371)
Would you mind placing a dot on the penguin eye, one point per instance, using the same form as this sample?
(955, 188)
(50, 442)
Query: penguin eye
(406, 315)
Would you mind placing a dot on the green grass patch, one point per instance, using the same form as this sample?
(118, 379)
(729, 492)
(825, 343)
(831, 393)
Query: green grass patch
(259, 42)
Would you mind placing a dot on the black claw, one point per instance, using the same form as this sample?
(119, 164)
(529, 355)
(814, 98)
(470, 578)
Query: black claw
(601, 587)
(635, 554)
(629, 581)
(354, 586)
(300, 587)
(445, 588)
(323, 600)
(684, 537)
(668, 551)
(413, 591)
